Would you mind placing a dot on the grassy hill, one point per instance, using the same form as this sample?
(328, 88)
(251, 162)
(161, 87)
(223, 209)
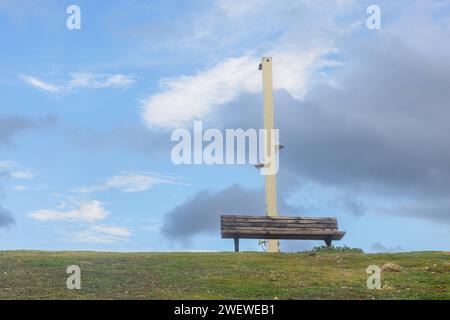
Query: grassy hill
(318, 275)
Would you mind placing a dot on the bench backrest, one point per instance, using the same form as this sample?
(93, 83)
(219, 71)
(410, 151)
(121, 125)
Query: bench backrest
(280, 227)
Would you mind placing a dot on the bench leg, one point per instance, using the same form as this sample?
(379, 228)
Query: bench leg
(236, 244)
(328, 242)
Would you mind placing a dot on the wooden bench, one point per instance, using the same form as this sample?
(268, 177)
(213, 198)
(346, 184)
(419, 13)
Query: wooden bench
(292, 228)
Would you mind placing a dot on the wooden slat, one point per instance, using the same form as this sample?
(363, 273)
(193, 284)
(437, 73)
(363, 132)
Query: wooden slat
(286, 222)
(284, 237)
(275, 217)
(302, 232)
(277, 221)
(280, 235)
(287, 230)
(278, 225)
(251, 218)
(272, 219)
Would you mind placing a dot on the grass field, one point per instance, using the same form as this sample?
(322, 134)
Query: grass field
(320, 275)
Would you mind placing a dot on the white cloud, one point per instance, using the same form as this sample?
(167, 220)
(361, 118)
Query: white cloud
(129, 182)
(35, 187)
(11, 169)
(99, 81)
(22, 174)
(7, 165)
(82, 80)
(40, 84)
(112, 230)
(82, 211)
(236, 9)
(186, 98)
(379, 247)
(20, 188)
(288, 31)
(102, 234)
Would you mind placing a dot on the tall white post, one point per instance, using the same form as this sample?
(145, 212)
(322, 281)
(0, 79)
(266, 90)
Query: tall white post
(271, 179)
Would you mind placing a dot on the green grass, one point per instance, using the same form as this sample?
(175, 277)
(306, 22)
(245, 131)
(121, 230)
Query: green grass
(310, 275)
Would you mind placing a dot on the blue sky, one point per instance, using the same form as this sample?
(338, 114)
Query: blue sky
(86, 117)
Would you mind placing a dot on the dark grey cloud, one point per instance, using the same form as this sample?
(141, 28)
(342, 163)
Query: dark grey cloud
(11, 125)
(380, 130)
(6, 218)
(201, 213)
(385, 128)
(377, 132)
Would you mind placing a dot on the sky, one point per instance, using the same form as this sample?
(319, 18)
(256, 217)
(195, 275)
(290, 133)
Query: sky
(86, 117)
